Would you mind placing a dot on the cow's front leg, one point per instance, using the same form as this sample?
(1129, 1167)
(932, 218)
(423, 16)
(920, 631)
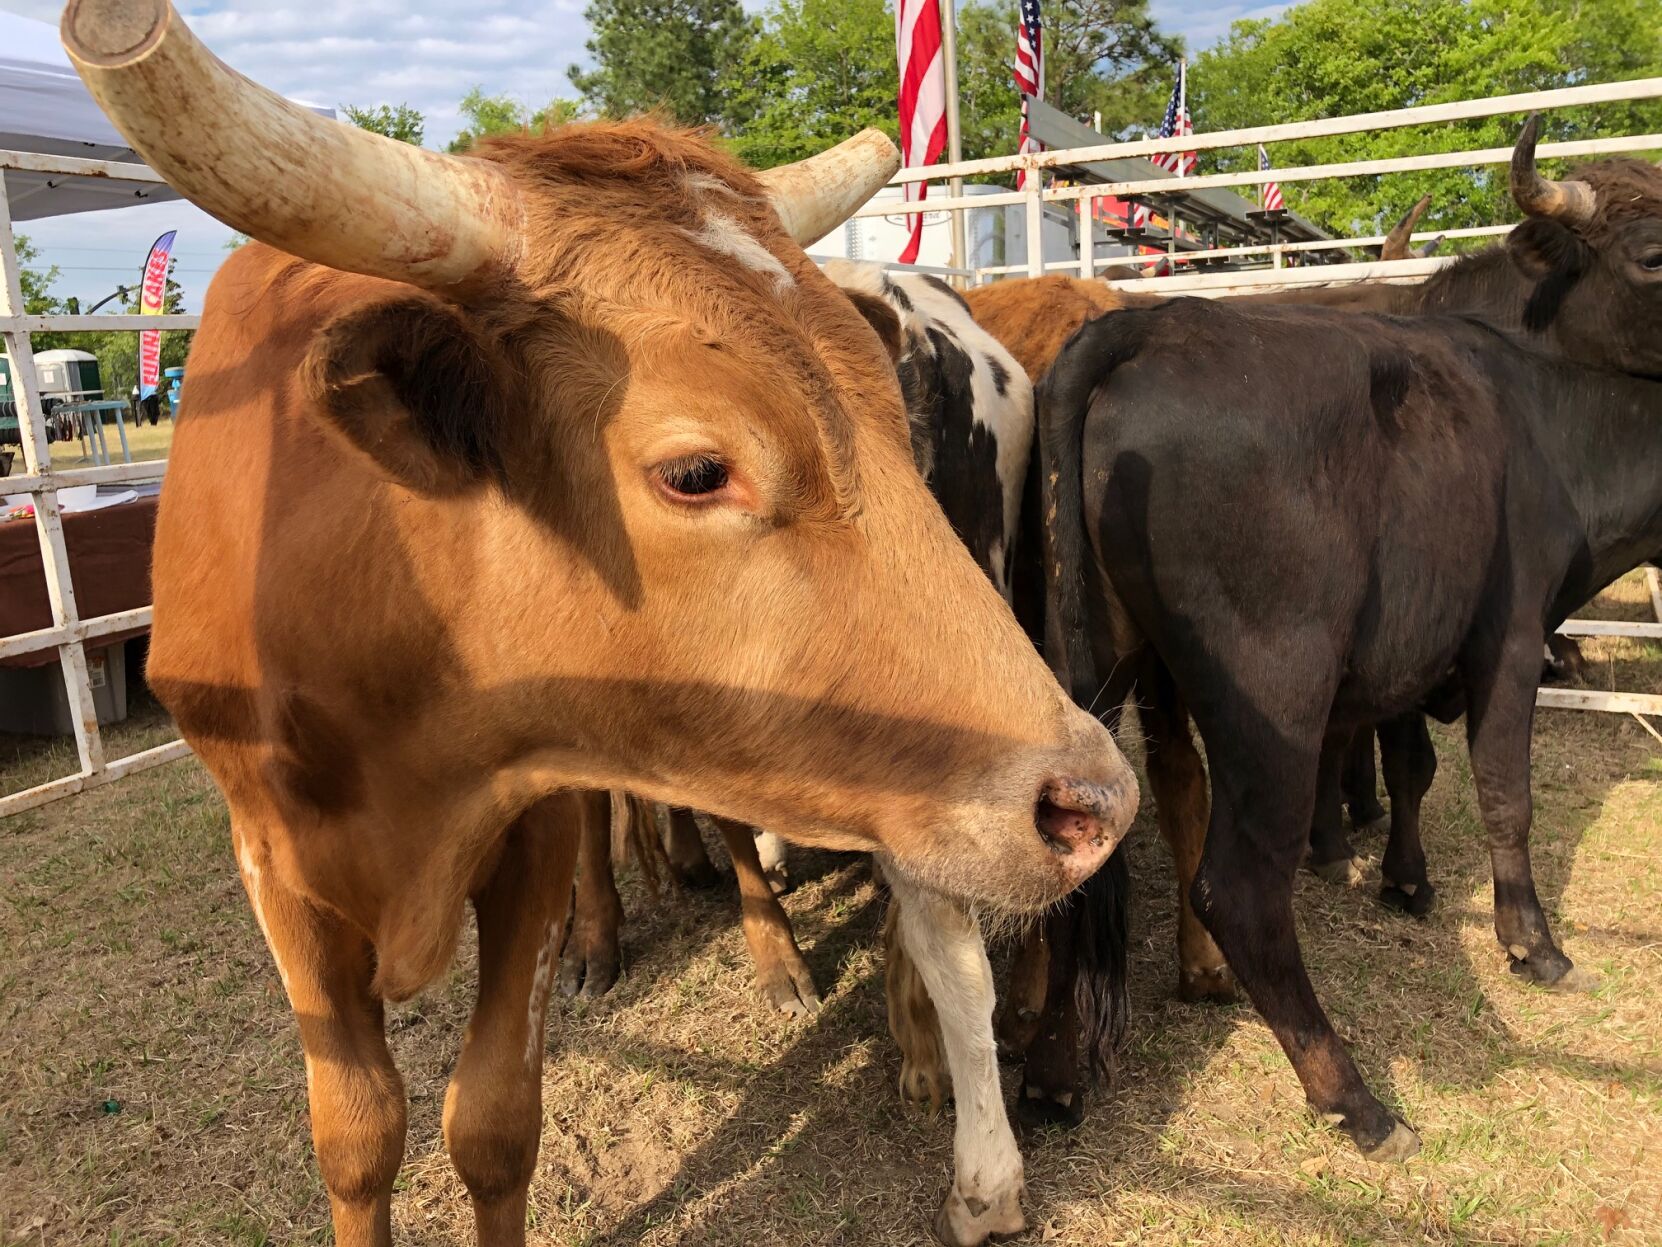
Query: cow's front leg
(945, 946)
(493, 1109)
(781, 972)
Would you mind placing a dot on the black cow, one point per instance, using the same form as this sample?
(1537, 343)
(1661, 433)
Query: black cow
(1319, 519)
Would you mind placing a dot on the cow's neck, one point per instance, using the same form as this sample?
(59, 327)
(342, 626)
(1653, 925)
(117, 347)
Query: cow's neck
(1601, 432)
(1486, 282)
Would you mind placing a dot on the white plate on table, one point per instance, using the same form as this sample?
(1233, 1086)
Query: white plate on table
(76, 498)
(69, 506)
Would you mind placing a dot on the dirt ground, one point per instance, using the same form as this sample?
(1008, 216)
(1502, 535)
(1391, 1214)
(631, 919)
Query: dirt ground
(155, 1093)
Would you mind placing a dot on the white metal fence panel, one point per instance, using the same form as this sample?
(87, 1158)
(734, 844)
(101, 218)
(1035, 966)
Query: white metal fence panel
(68, 632)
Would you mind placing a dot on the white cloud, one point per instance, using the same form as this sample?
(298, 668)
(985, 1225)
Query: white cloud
(1204, 22)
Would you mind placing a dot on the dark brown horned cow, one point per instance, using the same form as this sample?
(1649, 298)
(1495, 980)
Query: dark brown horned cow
(1512, 473)
(552, 468)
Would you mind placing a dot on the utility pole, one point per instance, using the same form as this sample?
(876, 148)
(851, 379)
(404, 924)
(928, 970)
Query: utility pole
(954, 132)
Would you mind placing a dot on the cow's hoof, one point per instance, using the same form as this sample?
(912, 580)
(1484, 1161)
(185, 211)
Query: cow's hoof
(1038, 1108)
(966, 1221)
(591, 975)
(922, 1083)
(699, 876)
(1549, 968)
(1214, 986)
(790, 989)
(1552, 969)
(1400, 1145)
(1417, 899)
(1347, 871)
(1372, 823)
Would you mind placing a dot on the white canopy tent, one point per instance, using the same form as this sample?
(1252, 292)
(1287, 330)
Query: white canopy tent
(45, 109)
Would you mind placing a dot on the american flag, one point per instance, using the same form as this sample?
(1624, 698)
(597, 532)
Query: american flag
(1175, 123)
(1030, 73)
(917, 29)
(1272, 190)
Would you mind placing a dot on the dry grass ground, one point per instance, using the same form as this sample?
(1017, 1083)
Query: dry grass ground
(155, 1092)
(144, 442)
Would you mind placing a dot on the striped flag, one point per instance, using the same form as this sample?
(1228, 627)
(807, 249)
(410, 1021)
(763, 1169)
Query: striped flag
(1030, 74)
(1176, 123)
(153, 302)
(1272, 190)
(917, 26)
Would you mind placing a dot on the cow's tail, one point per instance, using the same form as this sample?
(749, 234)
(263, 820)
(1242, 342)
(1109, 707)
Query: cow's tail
(1082, 366)
(1102, 905)
(1101, 995)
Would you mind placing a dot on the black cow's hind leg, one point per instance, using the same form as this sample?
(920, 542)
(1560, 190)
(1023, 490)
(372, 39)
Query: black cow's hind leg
(1499, 719)
(1263, 793)
(1410, 766)
(1331, 856)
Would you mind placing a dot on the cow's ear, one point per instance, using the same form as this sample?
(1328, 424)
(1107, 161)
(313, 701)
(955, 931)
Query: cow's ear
(1541, 247)
(408, 382)
(1552, 256)
(881, 317)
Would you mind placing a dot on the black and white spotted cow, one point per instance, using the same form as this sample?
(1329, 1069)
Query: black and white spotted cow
(970, 403)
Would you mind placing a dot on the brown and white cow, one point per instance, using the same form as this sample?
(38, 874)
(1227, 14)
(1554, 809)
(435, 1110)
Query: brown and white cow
(553, 468)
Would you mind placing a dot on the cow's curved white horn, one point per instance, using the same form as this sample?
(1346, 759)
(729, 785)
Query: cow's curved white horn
(814, 196)
(313, 187)
(1570, 202)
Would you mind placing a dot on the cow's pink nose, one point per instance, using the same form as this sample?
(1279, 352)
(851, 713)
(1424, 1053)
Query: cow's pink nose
(1076, 815)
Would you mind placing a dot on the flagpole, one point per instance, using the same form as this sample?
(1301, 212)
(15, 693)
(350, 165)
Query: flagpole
(1182, 112)
(954, 134)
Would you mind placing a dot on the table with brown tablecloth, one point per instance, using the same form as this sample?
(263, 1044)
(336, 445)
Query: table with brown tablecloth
(109, 562)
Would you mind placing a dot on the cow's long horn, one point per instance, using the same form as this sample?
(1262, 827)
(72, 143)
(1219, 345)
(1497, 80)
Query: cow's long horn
(1396, 242)
(281, 173)
(1570, 202)
(814, 196)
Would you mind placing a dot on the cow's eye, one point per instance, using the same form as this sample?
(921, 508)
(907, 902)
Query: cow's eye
(1652, 263)
(692, 476)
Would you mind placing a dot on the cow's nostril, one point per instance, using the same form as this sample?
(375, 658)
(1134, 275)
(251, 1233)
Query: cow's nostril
(1070, 814)
(1064, 830)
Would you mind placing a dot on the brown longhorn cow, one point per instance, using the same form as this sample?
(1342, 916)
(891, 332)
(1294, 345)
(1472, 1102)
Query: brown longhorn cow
(558, 467)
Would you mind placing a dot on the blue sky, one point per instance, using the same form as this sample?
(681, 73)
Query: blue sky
(424, 52)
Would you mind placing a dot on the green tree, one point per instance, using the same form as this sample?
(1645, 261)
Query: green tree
(486, 115)
(396, 121)
(668, 54)
(1329, 58)
(816, 72)
(38, 299)
(117, 350)
(1104, 56)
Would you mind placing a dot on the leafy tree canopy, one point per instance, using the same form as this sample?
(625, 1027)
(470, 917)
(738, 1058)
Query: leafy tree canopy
(396, 121)
(1328, 58)
(503, 114)
(662, 54)
(813, 73)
